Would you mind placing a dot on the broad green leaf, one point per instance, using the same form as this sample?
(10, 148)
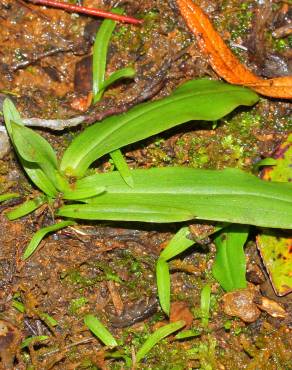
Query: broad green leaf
(178, 244)
(205, 304)
(196, 100)
(83, 192)
(10, 114)
(33, 340)
(39, 178)
(180, 194)
(163, 284)
(124, 211)
(39, 235)
(154, 338)
(32, 147)
(100, 49)
(127, 72)
(26, 207)
(275, 250)
(122, 167)
(8, 196)
(229, 267)
(36, 174)
(100, 330)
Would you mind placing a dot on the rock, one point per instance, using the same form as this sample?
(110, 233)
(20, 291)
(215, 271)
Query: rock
(240, 303)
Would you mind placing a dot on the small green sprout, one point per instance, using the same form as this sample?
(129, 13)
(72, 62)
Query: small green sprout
(100, 331)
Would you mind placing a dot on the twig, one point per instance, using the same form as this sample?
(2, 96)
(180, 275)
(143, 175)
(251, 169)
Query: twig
(66, 348)
(88, 11)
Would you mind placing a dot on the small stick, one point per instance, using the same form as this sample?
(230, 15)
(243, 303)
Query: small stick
(88, 11)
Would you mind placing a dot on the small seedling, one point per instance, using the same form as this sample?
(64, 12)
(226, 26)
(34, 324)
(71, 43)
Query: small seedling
(100, 331)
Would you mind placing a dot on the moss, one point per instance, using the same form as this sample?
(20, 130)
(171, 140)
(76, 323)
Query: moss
(76, 304)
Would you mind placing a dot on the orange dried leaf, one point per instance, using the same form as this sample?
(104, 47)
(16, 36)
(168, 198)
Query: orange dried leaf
(223, 61)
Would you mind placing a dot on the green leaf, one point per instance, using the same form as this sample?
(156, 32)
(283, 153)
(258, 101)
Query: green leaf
(36, 174)
(185, 334)
(181, 194)
(10, 114)
(19, 306)
(33, 148)
(100, 331)
(122, 167)
(205, 304)
(163, 284)
(83, 193)
(264, 162)
(178, 244)
(39, 235)
(275, 250)
(100, 49)
(8, 196)
(48, 319)
(33, 340)
(26, 207)
(195, 100)
(229, 267)
(124, 211)
(127, 72)
(154, 338)
(39, 178)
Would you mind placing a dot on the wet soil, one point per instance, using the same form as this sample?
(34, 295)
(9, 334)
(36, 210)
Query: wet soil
(108, 269)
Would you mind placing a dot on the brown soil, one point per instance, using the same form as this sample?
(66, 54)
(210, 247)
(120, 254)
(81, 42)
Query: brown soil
(108, 269)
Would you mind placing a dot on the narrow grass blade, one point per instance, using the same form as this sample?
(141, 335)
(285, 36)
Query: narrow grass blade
(178, 244)
(122, 167)
(205, 304)
(39, 235)
(196, 100)
(8, 196)
(100, 49)
(33, 340)
(100, 330)
(19, 306)
(229, 267)
(127, 72)
(163, 285)
(26, 207)
(48, 319)
(264, 162)
(154, 338)
(185, 334)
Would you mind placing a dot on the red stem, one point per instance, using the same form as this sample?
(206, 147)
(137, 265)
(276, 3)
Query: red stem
(88, 11)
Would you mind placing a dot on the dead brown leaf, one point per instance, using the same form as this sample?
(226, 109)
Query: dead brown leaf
(180, 311)
(223, 61)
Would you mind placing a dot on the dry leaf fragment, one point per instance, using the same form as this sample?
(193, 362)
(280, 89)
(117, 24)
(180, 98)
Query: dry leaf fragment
(180, 311)
(223, 61)
(273, 308)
